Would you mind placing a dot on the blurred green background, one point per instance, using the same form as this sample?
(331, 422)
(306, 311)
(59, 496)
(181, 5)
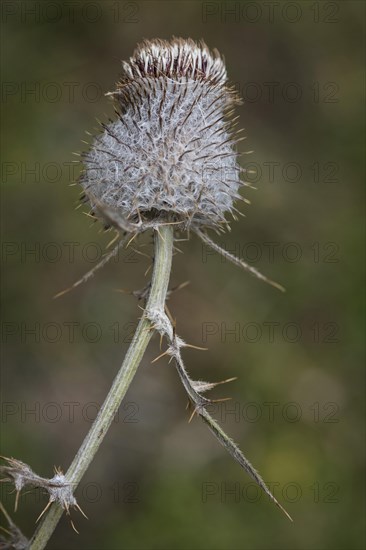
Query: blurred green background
(296, 410)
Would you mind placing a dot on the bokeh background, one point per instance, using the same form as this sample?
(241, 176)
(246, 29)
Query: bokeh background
(296, 410)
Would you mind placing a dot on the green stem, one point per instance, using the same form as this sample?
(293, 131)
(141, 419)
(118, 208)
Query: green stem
(159, 287)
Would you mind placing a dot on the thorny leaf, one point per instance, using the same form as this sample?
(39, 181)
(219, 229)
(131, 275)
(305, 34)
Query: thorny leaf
(237, 261)
(163, 325)
(13, 538)
(58, 487)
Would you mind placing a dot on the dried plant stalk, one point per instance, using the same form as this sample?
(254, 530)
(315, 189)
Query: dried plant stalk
(159, 287)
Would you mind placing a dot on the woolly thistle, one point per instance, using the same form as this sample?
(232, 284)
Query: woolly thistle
(171, 154)
(170, 159)
(168, 162)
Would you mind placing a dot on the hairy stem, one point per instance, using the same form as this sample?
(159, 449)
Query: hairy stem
(159, 287)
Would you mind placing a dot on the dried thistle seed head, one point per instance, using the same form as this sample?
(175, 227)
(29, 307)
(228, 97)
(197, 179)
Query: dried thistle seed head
(171, 154)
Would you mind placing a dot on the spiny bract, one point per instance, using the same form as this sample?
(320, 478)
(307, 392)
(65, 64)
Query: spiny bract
(171, 153)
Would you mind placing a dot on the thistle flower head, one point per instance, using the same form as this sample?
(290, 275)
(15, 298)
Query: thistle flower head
(170, 155)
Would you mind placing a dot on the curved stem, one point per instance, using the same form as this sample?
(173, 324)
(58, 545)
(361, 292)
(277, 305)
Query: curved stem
(159, 286)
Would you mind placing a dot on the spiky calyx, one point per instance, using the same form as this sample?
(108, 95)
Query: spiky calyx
(171, 154)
